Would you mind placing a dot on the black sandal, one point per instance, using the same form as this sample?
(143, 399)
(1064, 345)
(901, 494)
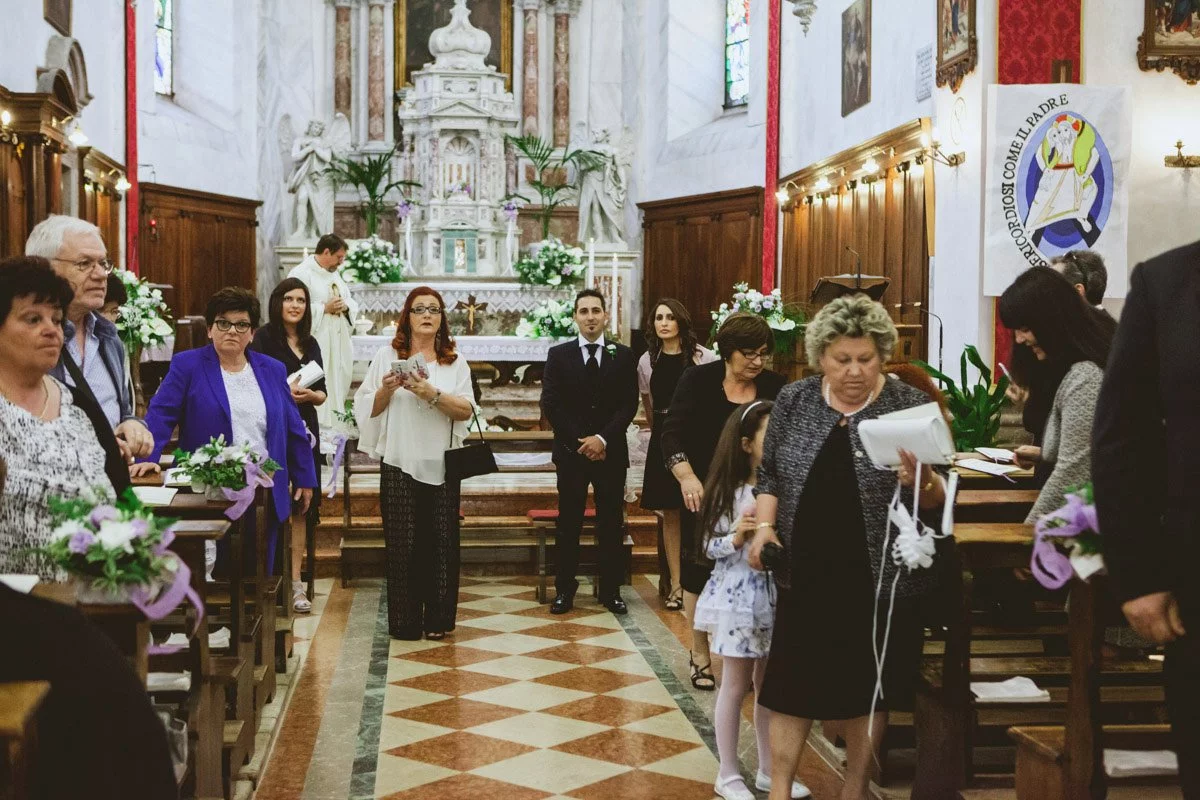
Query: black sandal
(674, 601)
(702, 674)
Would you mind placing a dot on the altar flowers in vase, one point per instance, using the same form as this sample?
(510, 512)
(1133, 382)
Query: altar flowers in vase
(550, 319)
(1067, 542)
(229, 472)
(372, 260)
(551, 264)
(786, 322)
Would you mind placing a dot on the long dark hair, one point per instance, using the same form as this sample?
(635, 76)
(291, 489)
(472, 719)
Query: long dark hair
(687, 337)
(443, 344)
(1067, 329)
(275, 312)
(730, 468)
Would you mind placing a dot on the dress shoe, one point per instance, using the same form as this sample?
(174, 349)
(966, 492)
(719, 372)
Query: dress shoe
(562, 603)
(615, 604)
(762, 782)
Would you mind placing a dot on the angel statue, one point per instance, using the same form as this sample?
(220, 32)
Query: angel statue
(604, 191)
(312, 153)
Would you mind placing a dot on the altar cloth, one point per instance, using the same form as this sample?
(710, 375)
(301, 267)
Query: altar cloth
(490, 349)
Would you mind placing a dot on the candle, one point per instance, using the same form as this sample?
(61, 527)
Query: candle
(591, 273)
(305, 252)
(613, 305)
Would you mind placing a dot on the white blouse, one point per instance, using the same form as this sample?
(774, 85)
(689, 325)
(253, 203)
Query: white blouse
(409, 434)
(248, 410)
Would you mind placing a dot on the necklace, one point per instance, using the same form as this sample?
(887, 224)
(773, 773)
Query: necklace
(848, 414)
(45, 405)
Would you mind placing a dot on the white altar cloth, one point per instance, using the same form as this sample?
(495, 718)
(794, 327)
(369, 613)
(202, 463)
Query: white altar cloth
(476, 348)
(499, 294)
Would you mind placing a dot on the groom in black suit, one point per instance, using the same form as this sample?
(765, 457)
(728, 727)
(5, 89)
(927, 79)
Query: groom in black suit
(589, 394)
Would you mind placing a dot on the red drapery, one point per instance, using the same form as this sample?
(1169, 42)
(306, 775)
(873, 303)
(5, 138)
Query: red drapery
(770, 205)
(131, 130)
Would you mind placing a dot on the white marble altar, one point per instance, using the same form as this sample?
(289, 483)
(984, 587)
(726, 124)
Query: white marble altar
(491, 349)
(499, 295)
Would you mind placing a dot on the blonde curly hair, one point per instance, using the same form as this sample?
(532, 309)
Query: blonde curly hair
(855, 316)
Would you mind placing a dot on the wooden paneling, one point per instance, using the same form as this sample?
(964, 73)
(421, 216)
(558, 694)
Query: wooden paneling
(99, 200)
(696, 248)
(886, 217)
(30, 165)
(197, 242)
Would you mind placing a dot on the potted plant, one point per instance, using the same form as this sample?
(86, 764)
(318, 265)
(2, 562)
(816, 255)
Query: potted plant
(372, 177)
(226, 472)
(552, 168)
(976, 410)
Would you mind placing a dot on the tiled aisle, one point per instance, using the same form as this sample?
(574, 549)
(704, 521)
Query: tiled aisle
(518, 704)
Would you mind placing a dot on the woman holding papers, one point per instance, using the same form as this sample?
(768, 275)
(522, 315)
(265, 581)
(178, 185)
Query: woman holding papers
(287, 338)
(826, 506)
(1070, 338)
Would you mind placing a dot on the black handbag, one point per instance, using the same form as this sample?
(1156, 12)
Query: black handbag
(470, 459)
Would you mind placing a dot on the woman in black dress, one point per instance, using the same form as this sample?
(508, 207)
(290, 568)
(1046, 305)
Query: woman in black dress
(287, 337)
(822, 500)
(703, 400)
(671, 349)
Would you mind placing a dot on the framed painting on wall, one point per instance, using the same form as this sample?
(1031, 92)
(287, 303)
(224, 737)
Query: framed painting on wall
(957, 52)
(416, 20)
(856, 56)
(58, 14)
(1171, 38)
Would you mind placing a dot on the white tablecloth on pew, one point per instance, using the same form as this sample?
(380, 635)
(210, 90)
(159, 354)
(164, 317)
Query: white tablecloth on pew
(476, 348)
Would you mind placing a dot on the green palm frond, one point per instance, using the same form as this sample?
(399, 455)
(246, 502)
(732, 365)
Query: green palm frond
(547, 163)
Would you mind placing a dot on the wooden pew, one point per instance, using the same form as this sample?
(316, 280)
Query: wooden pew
(123, 623)
(19, 704)
(993, 505)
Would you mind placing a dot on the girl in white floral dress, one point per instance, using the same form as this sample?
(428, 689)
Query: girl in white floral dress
(737, 606)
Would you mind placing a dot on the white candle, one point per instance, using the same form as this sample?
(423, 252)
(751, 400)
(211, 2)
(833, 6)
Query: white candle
(591, 273)
(306, 252)
(613, 305)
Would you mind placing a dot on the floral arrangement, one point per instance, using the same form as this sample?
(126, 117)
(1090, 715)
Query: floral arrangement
(553, 264)
(346, 416)
(512, 206)
(1067, 541)
(458, 188)
(222, 466)
(787, 323)
(551, 319)
(374, 261)
(116, 545)
(404, 208)
(144, 319)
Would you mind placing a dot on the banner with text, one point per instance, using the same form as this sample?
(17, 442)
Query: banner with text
(1058, 163)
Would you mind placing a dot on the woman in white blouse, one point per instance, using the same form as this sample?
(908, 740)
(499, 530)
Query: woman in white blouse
(409, 423)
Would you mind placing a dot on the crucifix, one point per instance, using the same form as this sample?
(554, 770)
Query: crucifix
(470, 306)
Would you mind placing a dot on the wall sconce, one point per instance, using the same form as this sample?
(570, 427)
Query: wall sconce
(822, 185)
(1179, 160)
(153, 229)
(5, 118)
(123, 184)
(784, 193)
(933, 149)
(76, 137)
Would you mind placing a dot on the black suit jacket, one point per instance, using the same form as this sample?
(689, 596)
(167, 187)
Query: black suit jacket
(1146, 449)
(575, 411)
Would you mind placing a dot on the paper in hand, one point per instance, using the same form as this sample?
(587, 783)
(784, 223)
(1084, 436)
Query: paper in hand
(306, 376)
(411, 368)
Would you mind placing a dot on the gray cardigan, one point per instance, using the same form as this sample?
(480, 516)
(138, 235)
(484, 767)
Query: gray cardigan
(1067, 443)
(800, 423)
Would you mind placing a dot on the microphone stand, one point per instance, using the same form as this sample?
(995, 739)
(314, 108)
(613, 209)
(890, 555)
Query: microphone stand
(941, 331)
(858, 268)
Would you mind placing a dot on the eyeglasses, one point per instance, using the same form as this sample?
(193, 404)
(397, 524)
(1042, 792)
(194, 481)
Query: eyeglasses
(754, 355)
(86, 265)
(432, 311)
(224, 325)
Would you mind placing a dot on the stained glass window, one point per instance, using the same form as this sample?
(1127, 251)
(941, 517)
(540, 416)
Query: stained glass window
(737, 52)
(164, 46)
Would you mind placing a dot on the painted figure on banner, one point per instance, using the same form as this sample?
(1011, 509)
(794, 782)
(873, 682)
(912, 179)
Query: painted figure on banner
(604, 191)
(1070, 179)
(311, 155)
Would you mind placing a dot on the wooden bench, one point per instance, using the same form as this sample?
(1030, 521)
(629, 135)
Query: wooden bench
(19, 704)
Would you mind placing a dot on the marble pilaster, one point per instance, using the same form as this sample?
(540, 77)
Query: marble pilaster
(530, 63)
(562, 74)
(341, 58)
(376, 72)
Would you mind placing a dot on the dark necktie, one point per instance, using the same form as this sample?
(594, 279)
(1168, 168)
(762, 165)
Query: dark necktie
(592, 366)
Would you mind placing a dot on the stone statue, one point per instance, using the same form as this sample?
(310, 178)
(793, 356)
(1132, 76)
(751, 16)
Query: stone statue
(312, 154)
(604, 191)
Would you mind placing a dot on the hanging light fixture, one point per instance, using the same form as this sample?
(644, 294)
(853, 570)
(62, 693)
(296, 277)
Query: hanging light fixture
(804, 10)
(123, 184)
(77, 137)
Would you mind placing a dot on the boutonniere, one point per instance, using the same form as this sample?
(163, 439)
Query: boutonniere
(611, 349)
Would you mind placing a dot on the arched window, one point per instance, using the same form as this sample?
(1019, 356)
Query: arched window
(737, 53)
(164, 46)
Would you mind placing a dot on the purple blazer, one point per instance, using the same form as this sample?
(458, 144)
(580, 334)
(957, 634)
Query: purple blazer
(193, 397)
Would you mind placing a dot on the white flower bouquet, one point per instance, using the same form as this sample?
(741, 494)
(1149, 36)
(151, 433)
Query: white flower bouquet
(553, 264)
(217, 467)
(144, 320)
(372, 260)
(787, 323)
(551, 319)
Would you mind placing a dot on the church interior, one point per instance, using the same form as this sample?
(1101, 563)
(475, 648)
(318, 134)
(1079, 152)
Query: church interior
(757, 162)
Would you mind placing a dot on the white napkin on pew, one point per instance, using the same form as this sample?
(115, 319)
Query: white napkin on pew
(1013, 690)
(155, 495)
(987, 467)
(1140, 763)
(19, 583)
(523, 459)
(218, 639)
(169, 681)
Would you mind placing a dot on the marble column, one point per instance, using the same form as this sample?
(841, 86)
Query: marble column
(530, 65)
(341, 58)
(376, 77)
(562, 74)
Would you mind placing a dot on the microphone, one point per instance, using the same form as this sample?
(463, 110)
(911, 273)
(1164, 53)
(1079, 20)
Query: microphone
(941, 328)
(858, 271)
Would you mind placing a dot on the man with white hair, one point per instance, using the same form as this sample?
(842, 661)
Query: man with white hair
(76, 252)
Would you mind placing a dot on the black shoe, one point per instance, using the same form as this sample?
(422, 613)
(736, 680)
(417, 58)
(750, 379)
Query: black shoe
(615, 604)
(562, 603)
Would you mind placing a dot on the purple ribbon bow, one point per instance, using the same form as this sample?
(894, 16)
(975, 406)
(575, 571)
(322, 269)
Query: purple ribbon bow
(338, 456)
(168, 600)
(242, 498)
(1049, 565)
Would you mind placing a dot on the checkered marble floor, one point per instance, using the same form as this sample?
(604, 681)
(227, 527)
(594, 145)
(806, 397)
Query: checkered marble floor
(517, 704)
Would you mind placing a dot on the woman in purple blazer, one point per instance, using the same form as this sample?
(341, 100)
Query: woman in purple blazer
(224, 388)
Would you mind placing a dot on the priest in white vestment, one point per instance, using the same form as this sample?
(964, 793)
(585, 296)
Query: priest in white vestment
(333, 313)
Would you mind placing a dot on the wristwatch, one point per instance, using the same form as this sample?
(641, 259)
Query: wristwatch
(433, 403)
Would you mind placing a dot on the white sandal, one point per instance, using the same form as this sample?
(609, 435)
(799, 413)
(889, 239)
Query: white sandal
(300, 602)
(762, 782)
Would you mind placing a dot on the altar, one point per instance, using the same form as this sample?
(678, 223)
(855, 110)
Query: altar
(506, 353)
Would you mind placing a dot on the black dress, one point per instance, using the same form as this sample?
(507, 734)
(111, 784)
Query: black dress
(822, 665)
(660, 490)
